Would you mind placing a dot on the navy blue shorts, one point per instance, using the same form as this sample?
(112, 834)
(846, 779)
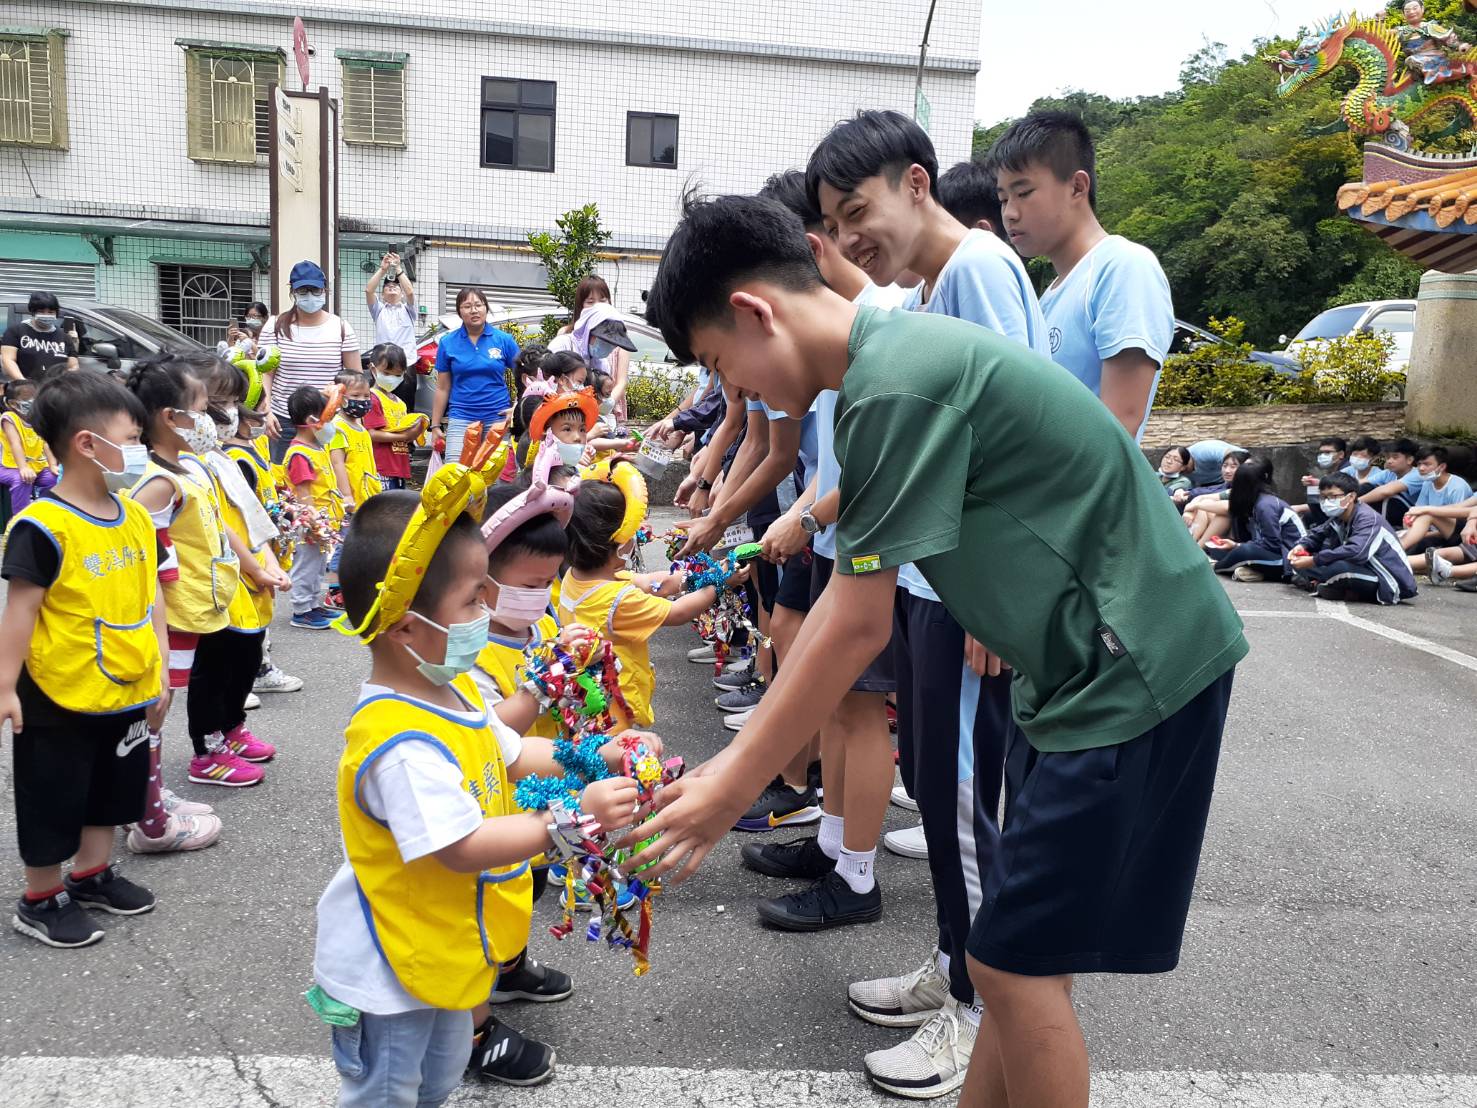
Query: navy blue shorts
(794, 589)
(877, 677)
(1099, 849)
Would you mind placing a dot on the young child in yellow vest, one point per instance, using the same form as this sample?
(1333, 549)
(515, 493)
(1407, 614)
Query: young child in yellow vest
(351, 453)
(26, 466)
(310, 476)
(252, 458)
(434, 894)
(392, 427)
(200, 575)
(81, 661)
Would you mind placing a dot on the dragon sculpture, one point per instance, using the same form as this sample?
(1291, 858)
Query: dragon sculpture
(1396, 87)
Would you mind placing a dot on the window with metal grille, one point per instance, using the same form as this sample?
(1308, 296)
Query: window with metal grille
(33, 89)
(226, 110)
(518, 124)
(202, 300)
(651, 140)
(374, 97)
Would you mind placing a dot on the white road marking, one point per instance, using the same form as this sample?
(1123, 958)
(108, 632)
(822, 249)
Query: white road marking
(265, 1081)
(1278, 613)
(1340, 612)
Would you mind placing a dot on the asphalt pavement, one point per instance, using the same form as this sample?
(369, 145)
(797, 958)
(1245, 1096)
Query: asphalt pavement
(1328, 958)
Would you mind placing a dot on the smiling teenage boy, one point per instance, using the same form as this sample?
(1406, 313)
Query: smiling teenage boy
(873, 178)
(1123, 646)
(1109, 308)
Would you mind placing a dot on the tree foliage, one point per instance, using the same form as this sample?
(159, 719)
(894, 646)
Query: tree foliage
(569, 257)
(1233, 188)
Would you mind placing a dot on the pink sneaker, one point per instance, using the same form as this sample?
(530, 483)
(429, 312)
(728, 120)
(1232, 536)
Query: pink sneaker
(221, 767)
(176, 805)
(182, 833)
(248, 747)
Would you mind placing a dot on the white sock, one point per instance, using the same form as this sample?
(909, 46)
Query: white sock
(942, 960)
(856, 867)
(972, 1012)
(829, 839)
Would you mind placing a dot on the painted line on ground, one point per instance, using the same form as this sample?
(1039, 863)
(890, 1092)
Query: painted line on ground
(1278, 613)
(266, 1081)
(1335, 610)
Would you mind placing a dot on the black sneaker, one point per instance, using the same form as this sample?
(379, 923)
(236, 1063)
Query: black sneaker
(778, 806)
(813, 779)
(110, 892)
(501, 1054)
(1332, 592)
(1304, 582)
(802, 858)
(741, 700)
(826, 904)
(1467, 585)
(732, 682)
(531, 981)
(56, 921)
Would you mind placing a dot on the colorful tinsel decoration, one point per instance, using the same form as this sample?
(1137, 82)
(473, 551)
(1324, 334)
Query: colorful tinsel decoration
(298, 522)
(730, 617)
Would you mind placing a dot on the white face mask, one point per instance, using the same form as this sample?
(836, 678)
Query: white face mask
(570, 453)
(607, 406)
(324, 435)
(201, 438)
(232, 424)
(520, 607)
(387, 381)
(1325, 460)
(135, 461)
(1332, 506)
(1361, 464)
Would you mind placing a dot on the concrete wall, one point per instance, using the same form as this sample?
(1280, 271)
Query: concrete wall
(1272, 424)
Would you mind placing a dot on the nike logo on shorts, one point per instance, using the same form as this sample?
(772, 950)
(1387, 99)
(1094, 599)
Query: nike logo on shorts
(138, 733)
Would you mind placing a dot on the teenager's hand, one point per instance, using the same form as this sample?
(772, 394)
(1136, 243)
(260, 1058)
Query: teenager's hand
(10, 709)
(1408, 519)
(28, 474)
(155, 714)
(697, 503)
(1179, 496)
(1306, 561)
(1469, 533)
(614, 753)
(614, 802)
(1309, 480)
(785, 538)
(684, 491)
(273, 428)
(982, 661)
(692, 815)
(702, 533)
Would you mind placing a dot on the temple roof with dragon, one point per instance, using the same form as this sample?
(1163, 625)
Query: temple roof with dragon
(1416, 81)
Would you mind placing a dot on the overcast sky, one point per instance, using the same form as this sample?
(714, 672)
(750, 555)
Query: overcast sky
(1130, 48)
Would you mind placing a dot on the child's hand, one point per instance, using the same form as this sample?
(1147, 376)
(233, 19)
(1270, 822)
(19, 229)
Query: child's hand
(576, 638)
(278, 579)
(614, 753)
(613, 802)
(10, 709)
(739, 576)
(158, 710)
(28, 475)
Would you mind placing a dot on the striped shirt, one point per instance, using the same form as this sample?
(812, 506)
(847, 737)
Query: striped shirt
(312, 356)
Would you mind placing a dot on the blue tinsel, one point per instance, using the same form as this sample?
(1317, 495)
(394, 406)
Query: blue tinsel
(584, 764)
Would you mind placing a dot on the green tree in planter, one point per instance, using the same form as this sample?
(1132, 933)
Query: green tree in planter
(569, 256)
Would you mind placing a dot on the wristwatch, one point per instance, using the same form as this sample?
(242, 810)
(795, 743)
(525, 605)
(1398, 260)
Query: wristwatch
(809, 524)
(704, 484)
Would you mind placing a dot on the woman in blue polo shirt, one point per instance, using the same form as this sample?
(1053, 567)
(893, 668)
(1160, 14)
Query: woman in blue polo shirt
(471, 373)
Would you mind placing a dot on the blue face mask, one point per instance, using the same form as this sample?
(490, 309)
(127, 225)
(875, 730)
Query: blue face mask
(464, 641)
(310, 302)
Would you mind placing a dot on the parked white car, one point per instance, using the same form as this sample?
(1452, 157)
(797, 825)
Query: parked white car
(1395, 317)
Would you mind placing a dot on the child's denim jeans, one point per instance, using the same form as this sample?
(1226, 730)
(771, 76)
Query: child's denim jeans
(408, 1060)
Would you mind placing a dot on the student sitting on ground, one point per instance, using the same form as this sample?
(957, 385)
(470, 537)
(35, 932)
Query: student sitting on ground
(1402, 484)
(1453, 563)
(1441, 506)
(1207, 509)
(1175, 468)
(1354, 555)
(1208, 455)
(1362, 454)
(1332, 453)
(1263, 524)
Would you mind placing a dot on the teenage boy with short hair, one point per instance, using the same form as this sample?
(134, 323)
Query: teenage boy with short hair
(1123, 646)
(1441, 506)
(1109, 308)
(967, 192)
(1354, 554)
(1402, 486)
(1333, 450)
(872, 177)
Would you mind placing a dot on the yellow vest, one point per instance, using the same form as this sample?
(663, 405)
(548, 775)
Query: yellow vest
(398, 417)
(250, 608)
(502, 660)
(442, 932)
(358, 449)
(94, 649)
(266, 486)
(594, 605)
(323, 490)
(208, 569)
(31, 444)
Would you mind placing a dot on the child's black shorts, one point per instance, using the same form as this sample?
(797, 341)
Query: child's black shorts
(93, 773)
(1099, 849)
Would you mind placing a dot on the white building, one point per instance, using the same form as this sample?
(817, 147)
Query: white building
(133, 136)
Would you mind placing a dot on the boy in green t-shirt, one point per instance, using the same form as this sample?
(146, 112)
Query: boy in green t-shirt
(1082, 579)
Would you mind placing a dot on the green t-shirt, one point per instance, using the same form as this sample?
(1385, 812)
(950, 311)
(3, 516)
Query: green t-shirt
(1034, 516)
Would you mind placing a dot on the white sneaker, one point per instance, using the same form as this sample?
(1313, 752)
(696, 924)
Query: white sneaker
(900, 1001)
(739, 666)
(901, 798)
(274, 681)
(179, 806)
(736, 720)
(181, 833)
(253, 702)
(930, 1064)
(702, 655)
(1440, 568)
(1246, 574)
(909, 842)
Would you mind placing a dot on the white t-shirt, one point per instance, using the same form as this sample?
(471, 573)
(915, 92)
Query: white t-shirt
(422, 798)
(394, 323)
(312, 356)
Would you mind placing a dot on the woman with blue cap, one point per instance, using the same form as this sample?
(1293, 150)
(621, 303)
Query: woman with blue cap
(313, 345)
